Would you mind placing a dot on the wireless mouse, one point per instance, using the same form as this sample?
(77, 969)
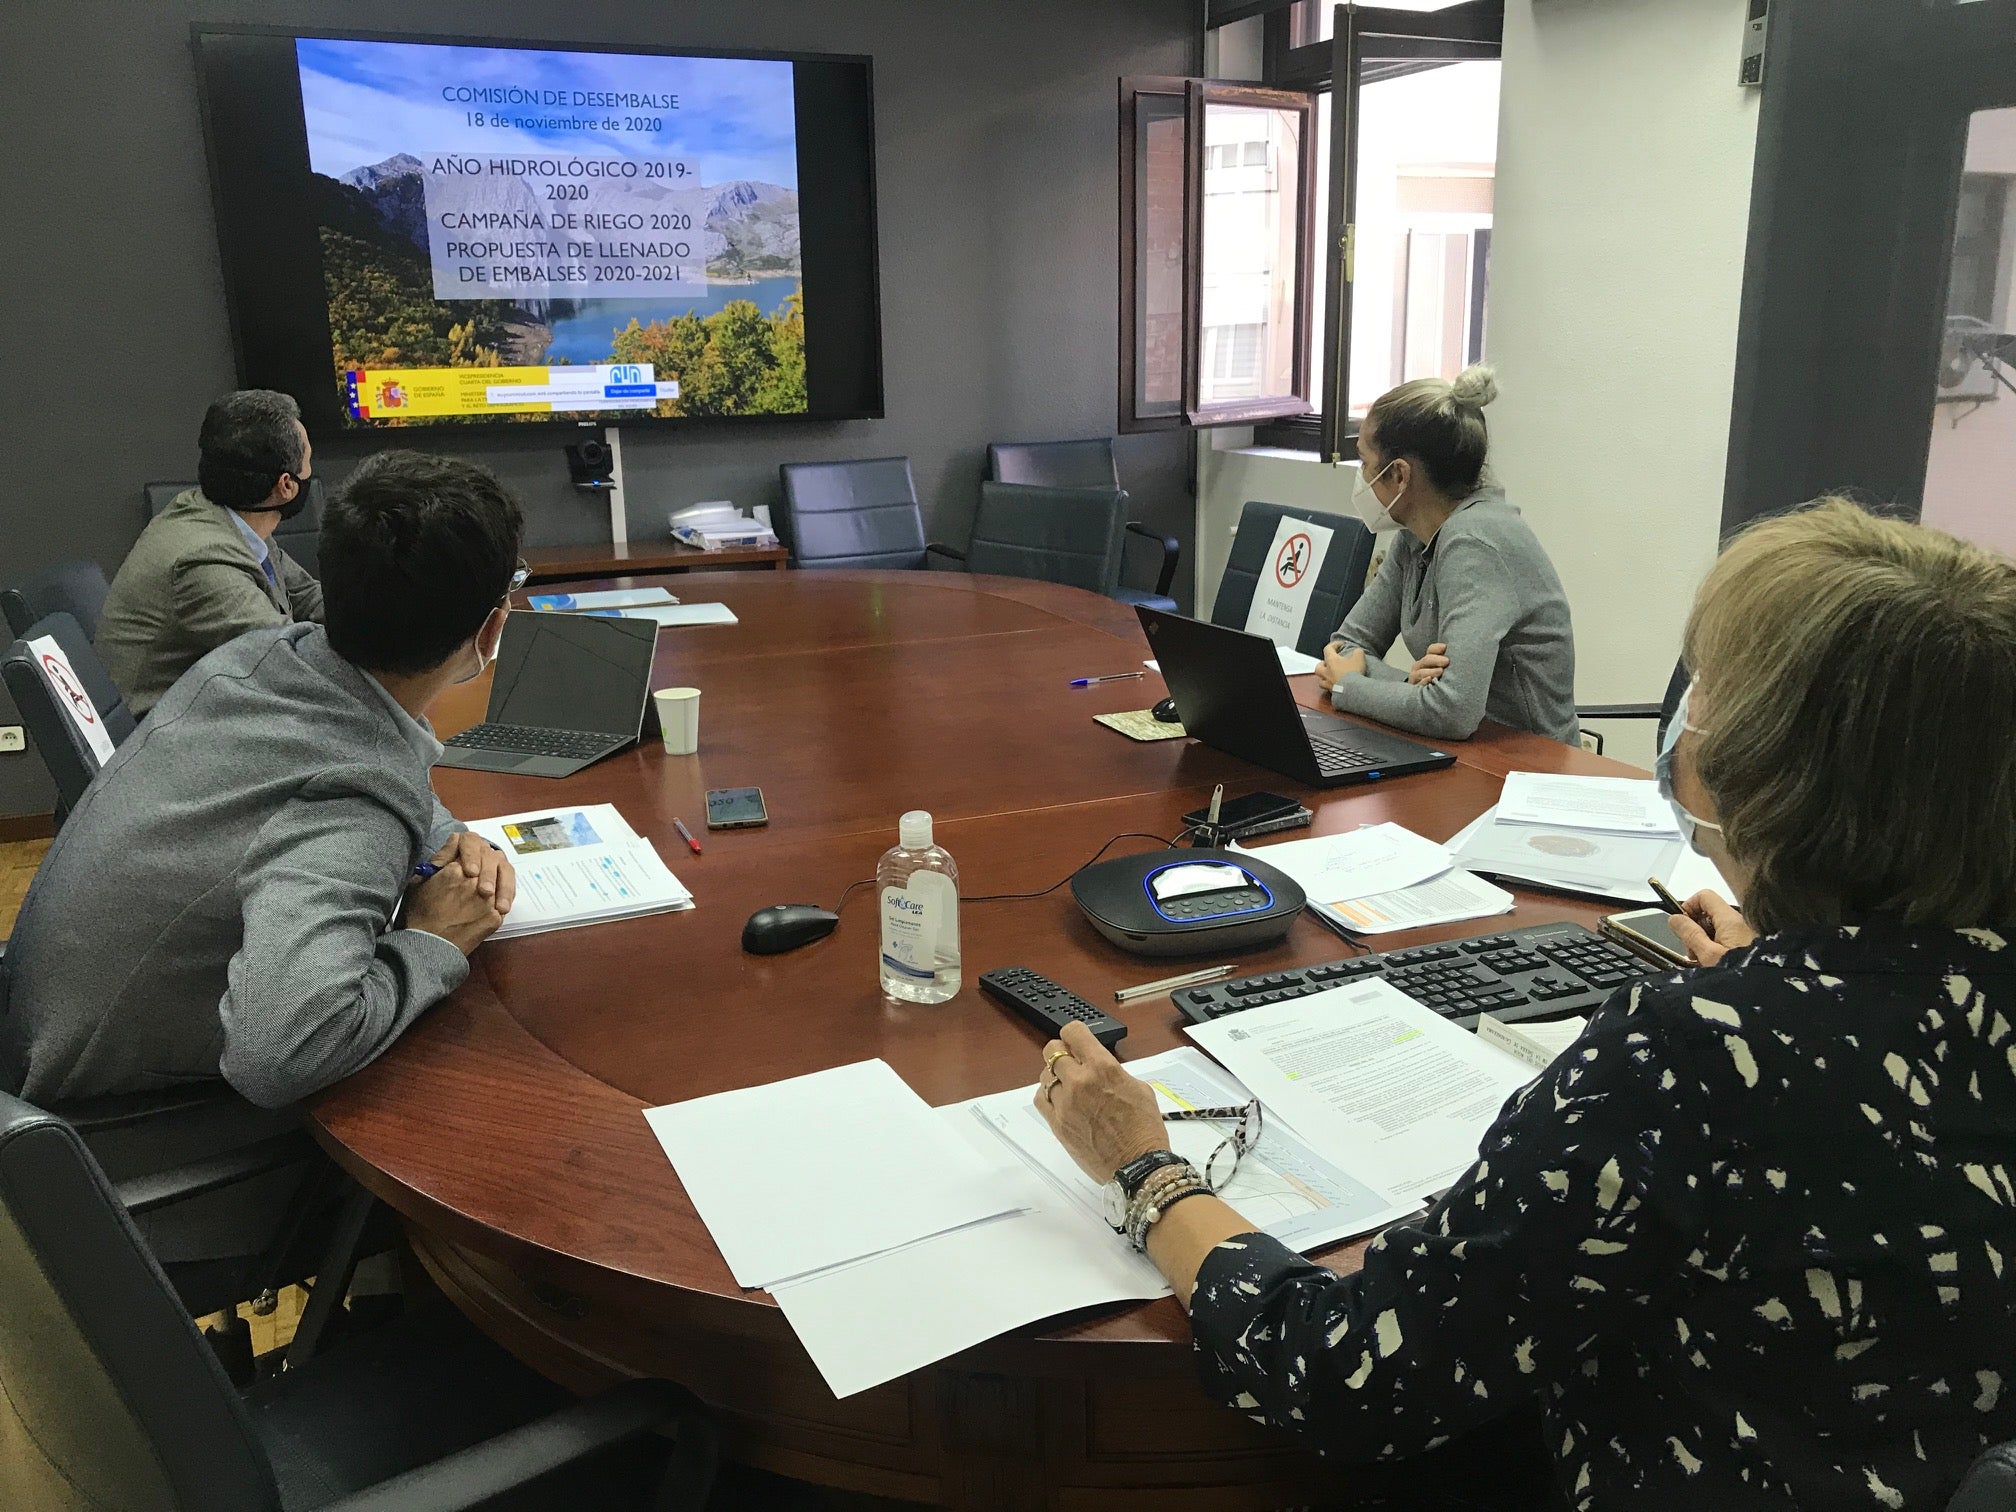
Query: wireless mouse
(1166, 711)
(786, 926)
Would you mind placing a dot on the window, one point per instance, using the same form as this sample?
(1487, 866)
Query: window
(1218, 253)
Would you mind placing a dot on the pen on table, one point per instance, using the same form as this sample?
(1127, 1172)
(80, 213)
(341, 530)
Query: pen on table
(1189, 979)
(1667, 901)
(1086, 682)
(686, 835)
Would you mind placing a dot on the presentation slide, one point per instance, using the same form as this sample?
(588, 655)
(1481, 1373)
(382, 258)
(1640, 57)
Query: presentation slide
(511, 232)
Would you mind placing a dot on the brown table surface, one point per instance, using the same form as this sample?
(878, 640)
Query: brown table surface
(563, 564)
(505, 1126)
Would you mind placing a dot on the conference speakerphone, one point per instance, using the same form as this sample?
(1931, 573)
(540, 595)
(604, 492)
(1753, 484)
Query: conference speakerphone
(1545, 971)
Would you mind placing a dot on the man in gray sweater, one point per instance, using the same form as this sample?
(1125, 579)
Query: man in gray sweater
(235, 895)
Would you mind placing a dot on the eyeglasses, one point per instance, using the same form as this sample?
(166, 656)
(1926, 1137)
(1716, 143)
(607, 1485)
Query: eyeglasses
(518, 577)
(1224, 1162)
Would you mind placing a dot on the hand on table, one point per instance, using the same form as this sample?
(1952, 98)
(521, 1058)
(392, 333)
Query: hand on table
(1431, 666)
(1102, 1116)
(1339, 664)
(467, 898)
(1711, 927)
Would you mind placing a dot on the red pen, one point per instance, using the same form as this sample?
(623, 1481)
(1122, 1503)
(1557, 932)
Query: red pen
(686, 835)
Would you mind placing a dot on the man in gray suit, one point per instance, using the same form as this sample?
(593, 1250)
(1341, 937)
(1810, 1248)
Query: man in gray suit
(206, 569)
(248, 890)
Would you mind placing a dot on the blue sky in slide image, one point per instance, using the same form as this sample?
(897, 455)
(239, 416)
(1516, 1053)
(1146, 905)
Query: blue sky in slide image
(366, 101)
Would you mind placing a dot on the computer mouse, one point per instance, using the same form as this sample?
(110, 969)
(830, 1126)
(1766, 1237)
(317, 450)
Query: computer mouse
(1166, 712)
(786, 926)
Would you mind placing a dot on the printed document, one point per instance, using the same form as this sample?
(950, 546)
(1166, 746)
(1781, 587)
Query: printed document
(799, 1175)
(1617, 805)
(610, 598)
(1451, 898)
(1567, 859)
(1377, 1084)
(1378, 858)
(579, 866)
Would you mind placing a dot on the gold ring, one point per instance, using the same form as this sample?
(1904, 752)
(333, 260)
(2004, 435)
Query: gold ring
(1050, 1060)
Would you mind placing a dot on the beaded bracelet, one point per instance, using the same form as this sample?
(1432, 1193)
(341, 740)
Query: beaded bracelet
(1157, 1195)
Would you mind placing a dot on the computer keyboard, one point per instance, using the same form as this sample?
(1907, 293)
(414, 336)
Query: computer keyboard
(1545, 971)
(530, 740)
(1334, 755)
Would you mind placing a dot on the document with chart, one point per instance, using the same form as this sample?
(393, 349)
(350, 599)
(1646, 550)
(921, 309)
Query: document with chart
(579, 866)
(1281, 1186)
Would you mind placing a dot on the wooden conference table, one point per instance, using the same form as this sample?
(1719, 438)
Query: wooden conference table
(506, 1128)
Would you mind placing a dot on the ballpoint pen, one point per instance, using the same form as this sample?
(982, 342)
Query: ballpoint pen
(686, 835)
(1189, 979)
(1086, 682)
(1667, 901)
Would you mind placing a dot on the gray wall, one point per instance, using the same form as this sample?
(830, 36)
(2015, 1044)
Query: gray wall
(996, 126)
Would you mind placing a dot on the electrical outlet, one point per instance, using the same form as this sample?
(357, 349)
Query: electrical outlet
(12, 738)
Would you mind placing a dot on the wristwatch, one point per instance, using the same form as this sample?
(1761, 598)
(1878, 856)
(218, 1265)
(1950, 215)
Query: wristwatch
(1119, 1192)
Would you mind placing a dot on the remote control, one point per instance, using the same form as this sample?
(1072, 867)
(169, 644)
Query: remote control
(1048, 1006)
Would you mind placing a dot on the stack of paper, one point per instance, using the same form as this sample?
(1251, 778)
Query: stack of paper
(717, 526)
(579, 866)
(1382, 878)
(1377, 1084)
(1536, 1044)
(961, 1288)
(683, 614)
(607, 602)
(1599, 836)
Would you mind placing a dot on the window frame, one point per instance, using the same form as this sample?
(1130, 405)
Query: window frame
(1132, 419)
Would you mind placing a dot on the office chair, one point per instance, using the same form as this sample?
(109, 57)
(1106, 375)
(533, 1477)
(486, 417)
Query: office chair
(1339, 582)
(1989, 1484)
(300, 537)
(1661, 711)
(111, 1400)
(854, 514)
(76, 588)
(44, 707)
(1085, 464)
(1059, 535)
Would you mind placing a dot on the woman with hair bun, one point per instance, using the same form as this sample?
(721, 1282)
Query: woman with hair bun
(1466, 584)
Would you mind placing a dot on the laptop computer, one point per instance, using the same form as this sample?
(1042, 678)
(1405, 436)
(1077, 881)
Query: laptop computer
(1231, 693)
(569, 690)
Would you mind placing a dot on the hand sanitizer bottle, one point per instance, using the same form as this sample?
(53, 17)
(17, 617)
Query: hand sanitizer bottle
(918, 885)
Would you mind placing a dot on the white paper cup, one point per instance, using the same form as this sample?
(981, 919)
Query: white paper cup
(679, 718)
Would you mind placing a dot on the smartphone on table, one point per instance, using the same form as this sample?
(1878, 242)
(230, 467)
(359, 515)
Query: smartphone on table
(736, 808)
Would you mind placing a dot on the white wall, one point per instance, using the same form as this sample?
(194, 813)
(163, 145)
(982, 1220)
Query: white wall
(1624, 166)
(1623, 204)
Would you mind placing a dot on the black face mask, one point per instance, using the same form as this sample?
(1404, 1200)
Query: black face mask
(293, 506)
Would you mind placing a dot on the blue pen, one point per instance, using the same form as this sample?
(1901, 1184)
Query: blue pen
(1087, 682)
(425, 870)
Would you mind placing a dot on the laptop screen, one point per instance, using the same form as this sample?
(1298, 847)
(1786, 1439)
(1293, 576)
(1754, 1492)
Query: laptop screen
(573, 672)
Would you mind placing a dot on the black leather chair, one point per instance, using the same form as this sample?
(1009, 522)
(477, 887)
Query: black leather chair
(76, 588)
(300, 537)
(111, 1399)
(71, 761)
(1060, 535)
(853, 514)
(1662, 711)
(1989, 1484)
(1339, 582)
(1085, 464)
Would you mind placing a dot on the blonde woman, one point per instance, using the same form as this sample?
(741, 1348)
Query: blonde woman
(1465, 584)
(1749, 1242)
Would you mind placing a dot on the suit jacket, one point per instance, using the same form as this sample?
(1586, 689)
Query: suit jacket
(190, 584)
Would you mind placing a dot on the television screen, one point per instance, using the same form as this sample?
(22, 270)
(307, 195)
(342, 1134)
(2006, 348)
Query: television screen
(448, 232)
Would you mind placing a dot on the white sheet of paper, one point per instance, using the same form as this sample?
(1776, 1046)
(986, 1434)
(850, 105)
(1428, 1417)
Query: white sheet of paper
(579, 866)
(1294, 663)
(1360, 863)
(817, 1170)
(1376, 1083)
(1535, 1046)
(1287, 579)
(1451, 898)
(607, 598)
(684, 614)
(69, 688)
(1567, 859)
(880, 1318)
(1615, 805)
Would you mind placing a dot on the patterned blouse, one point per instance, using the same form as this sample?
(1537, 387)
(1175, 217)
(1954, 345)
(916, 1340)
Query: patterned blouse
(1743, 1243)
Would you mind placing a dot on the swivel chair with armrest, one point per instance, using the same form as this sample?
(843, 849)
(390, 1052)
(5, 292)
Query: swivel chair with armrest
(1073, 536)
(109, 1398)
(854, 514)
(76, 588)
(1086, 464)
(1662, 711)
(1340, 581)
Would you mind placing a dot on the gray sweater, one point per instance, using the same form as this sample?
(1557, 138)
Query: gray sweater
(1485, 588)
(219, 901)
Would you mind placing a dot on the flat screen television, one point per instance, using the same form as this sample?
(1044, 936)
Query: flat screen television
(447, 231)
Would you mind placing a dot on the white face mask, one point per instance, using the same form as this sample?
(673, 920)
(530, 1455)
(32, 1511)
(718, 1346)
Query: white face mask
(1365, 503)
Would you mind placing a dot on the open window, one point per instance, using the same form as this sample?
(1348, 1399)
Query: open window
(1218, 252)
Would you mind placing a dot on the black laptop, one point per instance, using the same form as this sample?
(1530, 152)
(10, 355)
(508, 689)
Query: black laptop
(1231, 694)
(569, 690)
